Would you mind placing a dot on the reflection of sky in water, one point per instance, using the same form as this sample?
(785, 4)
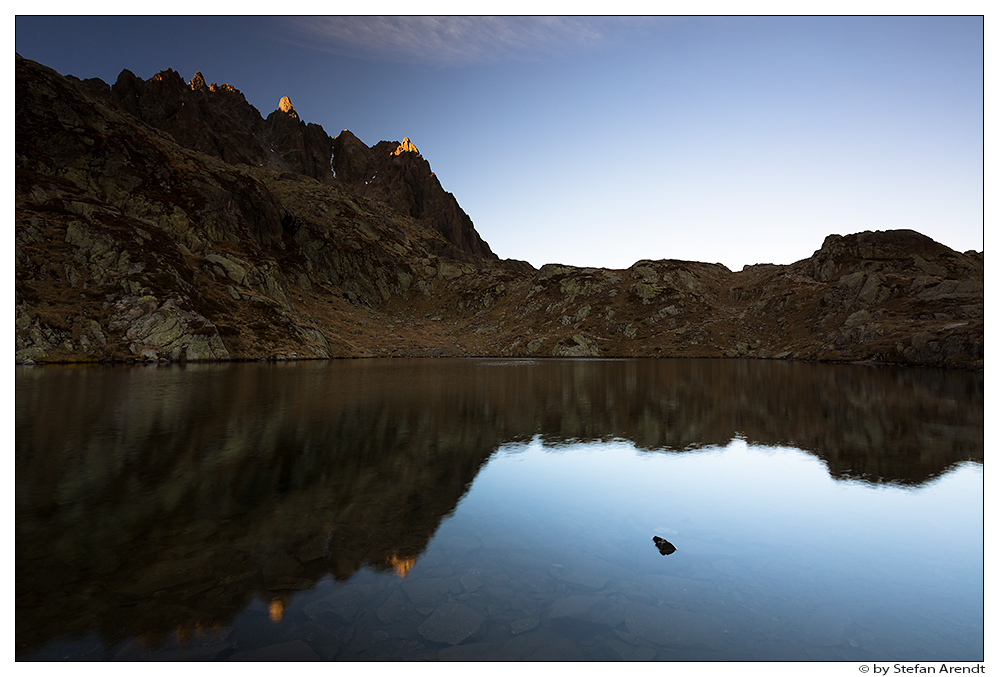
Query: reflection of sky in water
(766, 514)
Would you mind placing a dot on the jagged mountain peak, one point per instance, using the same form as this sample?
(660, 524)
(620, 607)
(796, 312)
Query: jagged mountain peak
(284, 105)
(230, 128)
(398, 175)
(406, 147)
(167, 75)
(129, 246)
(197, 83)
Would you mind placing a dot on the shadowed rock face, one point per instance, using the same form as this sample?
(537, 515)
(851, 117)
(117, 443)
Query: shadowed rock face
(164, 220)
(216, 119)
(396, 174)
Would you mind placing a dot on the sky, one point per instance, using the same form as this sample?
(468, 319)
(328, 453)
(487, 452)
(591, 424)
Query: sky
(600, 141)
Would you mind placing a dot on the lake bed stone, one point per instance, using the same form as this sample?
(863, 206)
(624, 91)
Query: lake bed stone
(451, 623)
(584, 579)
(471, 583)
(575, 606)
(523, 625)
(393, 608)
(628, 652)
(671, 627)
(288, 651)
(536, 580)
(541, 645)
(425, 592)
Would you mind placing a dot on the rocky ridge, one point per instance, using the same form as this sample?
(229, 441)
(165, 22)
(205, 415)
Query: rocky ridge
(163, 220)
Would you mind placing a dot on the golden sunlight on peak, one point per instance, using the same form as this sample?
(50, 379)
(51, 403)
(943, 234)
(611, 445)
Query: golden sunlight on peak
(406, 147)
(285, 107)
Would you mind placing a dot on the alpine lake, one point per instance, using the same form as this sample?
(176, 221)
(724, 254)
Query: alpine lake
(499, 510)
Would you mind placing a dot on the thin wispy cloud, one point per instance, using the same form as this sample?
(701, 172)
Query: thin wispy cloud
(450, 40)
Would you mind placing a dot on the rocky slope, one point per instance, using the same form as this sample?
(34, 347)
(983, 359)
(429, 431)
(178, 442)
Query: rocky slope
(164, 220)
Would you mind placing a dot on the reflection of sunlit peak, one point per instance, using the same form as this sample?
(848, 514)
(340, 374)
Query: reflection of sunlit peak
(402, 565)
(276, 610)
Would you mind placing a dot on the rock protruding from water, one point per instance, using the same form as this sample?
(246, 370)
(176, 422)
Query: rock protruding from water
(665, 547)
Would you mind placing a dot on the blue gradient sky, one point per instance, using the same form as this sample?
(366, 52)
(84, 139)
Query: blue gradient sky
(600, 141)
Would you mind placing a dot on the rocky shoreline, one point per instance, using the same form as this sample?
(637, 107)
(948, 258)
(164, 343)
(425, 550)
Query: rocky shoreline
(164, 221)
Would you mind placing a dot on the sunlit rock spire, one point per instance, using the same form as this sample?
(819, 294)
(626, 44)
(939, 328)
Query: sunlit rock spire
(406, 147)
(285, 107)
(197, 83)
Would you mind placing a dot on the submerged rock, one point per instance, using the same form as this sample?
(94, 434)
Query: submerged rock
(523, 625)
(451, 623)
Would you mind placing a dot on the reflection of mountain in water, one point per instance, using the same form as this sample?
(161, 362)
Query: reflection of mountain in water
(156, 500)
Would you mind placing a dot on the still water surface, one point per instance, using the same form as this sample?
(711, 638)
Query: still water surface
(499, 510)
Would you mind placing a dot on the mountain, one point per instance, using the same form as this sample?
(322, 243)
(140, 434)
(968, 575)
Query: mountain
(168, 220)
